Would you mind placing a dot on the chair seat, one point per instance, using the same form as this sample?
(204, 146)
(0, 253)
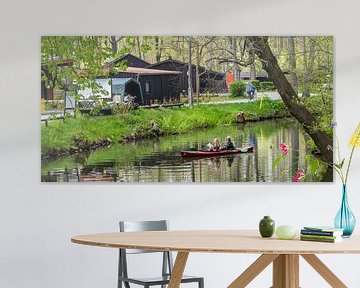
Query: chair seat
(158, 280)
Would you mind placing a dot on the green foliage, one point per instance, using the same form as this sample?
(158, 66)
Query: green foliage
(123, 108)
(321, 107)
(69, 59)
(267, 86)
(98, 106)
(237, 88)
(278, 160)
(313, 163)
(54, 105)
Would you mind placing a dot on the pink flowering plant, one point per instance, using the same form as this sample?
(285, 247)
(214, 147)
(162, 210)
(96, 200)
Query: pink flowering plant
(284, 151)
(300, 174)
(314, 163)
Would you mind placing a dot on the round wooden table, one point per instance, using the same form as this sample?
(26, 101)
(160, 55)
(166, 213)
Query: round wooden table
(284, 254)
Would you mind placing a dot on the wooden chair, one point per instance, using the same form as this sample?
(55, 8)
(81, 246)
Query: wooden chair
(167, 262)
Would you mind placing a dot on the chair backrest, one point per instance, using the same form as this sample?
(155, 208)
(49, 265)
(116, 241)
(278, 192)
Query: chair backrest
(134, 226)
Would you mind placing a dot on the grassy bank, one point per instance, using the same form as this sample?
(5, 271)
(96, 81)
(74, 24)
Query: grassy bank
(84, 129)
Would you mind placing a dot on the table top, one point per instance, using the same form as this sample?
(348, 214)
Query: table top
(217, 241)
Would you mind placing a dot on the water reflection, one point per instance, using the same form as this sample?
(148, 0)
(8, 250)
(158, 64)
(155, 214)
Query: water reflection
(160, 161)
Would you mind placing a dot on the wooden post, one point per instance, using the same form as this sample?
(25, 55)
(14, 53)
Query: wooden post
(286, 271)
(178, 269)
(324, 271)
(253, 270)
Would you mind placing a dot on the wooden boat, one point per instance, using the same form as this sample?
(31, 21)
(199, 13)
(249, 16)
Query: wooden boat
(203, 153)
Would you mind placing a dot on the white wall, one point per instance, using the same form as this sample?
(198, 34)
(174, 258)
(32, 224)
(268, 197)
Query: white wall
(37, 220)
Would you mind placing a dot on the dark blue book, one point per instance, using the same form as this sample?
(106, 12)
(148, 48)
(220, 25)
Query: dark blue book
(322, 231)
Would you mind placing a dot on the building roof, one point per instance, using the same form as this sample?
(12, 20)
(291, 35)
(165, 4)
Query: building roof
(146, 71)
(122, 81)
(182, 64)
(130, 60)
(246, 74)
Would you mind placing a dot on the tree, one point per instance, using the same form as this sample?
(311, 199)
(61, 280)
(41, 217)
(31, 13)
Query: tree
(290, 98)
(252, 60)
(159, 41)
(200, 44)
(114, 42)
(292, 63)
(84, 56)
(190, 89)
(308, 64)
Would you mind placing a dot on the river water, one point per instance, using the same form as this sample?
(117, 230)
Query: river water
(160, 160)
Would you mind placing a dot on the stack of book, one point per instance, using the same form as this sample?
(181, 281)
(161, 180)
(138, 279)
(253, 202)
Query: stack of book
(321, 234)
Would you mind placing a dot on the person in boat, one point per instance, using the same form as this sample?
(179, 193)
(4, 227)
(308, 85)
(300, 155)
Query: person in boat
(216, 144)
(208, 147)
(229, 144)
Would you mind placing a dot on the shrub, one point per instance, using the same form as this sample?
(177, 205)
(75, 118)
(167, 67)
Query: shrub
(267, 86)
(237, 88)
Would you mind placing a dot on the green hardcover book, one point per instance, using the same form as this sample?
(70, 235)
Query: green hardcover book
(325, 240)
(319, 236)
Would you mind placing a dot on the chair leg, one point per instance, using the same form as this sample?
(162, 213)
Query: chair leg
(201, 283)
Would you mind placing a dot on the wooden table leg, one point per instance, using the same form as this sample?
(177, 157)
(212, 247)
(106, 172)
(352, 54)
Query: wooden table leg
(324, 271)
(286, 271)
(253, 270)
(178, 269)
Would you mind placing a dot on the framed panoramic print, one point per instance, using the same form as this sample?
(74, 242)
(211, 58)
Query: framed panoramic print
(186, 108)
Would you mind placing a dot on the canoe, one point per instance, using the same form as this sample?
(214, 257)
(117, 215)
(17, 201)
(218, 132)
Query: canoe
(202, 153)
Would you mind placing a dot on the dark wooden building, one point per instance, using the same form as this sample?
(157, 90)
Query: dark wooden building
(210, 81)
(259, 75)
(149, 86)
(157, 86)
(129, 60)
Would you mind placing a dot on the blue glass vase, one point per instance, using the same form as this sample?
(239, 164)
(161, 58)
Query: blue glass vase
(345, 219)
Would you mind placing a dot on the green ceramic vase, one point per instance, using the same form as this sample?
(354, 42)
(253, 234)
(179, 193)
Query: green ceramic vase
(267, 227)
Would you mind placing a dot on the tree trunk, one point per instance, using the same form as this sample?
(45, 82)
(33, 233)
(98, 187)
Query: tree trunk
(197, 76)
(308, 64)
(113, 43)
(190, 89)
(158, 48)
(290, 98)
(252, 59)
(292, 63)
(233, 48)
(138, 44)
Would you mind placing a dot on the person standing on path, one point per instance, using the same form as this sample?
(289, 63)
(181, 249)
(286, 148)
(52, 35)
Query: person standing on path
(250, 90)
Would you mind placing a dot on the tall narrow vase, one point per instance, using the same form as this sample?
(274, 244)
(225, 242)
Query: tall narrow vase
(345, 219)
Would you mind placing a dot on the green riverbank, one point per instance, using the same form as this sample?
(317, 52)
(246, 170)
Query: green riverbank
(85, 131)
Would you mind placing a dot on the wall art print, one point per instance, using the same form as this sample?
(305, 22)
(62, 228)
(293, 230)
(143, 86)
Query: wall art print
(186, 108)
